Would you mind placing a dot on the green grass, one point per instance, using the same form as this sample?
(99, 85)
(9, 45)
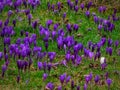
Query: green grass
(34, 76)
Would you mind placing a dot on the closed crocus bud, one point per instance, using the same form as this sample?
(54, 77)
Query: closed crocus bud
(82, 6)
(4, 68)
(29, 18)
(22, 32)
(59, 88)
(110, 51)
(87, 13)
(68, 26)
(96, 19)
(89, 5)
(116, 43)
(1, 55)
(45, 75)
(68, 79)
(50, 86)
(91, 55)
(14, 23)
(72, 84)
(49, 66)
(18, 78)
(64, 15)
(110, 42)
(1, 23)
(10, 12)
(46, 45)
(109, 82)
(71, 5)
(85, 87)
(97, 78)
(76, 8)
(45, 66)
(40, 65)
(62, 78)
(48, 23)
(78, 88)
(75, 27)
(34, 24)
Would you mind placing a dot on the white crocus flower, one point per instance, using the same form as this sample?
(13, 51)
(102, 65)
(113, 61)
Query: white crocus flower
(102, 60)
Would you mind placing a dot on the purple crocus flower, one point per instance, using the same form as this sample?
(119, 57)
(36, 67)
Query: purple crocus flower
(50, 86)
(76, 27)
(51, 55)
(64, 15)
(40, 65)
(72, 84)
(78, 88)
(100, 27)
(1, 55)
(10, 12)
(29, 16)
(76, 8)
(96, 79)
(14, 23)
(62, 78)
(85, 87)
(82, 6)
(68, 26)
(1, 23)
(109, 50)
(4, 68)
(45, 75)
(48, 23)
(87, 13)
(18, 78)
(68, 79)
(34, 24)
(109, 82)
(116, 43)
(89, 5)
(110, 42)
(59, 88)
(49, 66)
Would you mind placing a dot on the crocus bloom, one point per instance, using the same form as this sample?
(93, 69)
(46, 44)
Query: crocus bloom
(59, 88)
(18, 78)
(87, 13)
(109, 82)
(96, 79)
(62, 78)
(72, 84)
(68, 79)
(64, 15)
(102, 60)
(82, 6)
(76, 8)
(85, 87)
(4, 68)
(50, 86)
(45, 76)
(40, 65)
(1, 55)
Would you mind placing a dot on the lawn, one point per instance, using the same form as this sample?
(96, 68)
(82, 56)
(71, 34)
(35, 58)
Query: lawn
(59, 45)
